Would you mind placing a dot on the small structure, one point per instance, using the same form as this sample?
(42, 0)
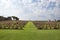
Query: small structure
(14, 18)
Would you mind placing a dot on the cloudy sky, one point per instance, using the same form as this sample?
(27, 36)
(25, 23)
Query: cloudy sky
(31, 9)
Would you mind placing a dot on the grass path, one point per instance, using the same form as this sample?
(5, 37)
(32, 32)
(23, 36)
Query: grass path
(29, 34)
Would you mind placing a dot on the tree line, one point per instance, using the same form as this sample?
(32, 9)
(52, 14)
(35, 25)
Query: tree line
(8, 18)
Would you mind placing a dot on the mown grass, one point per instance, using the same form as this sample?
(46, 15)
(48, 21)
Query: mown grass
(29, 33)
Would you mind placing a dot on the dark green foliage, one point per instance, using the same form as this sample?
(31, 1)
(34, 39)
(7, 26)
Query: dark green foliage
(8, 18)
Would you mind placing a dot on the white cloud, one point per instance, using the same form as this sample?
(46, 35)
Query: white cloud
(26, 9)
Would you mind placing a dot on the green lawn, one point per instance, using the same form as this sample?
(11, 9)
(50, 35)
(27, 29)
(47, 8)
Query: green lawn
(29, 33)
